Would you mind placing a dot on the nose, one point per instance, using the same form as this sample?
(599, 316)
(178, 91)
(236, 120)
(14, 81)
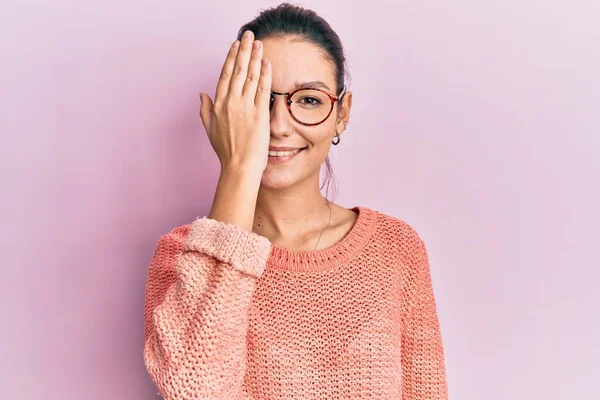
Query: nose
(281, 120)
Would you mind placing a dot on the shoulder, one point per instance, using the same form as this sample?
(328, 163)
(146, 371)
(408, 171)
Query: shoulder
(397, 234)
(397, 226)
(410, 255)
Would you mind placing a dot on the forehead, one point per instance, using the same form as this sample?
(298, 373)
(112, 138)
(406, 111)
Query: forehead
(297, 62)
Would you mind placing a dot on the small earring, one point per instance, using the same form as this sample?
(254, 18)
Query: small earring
(334, 142)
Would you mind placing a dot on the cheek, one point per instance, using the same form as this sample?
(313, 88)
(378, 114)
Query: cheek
(320, 144)
(321, 135)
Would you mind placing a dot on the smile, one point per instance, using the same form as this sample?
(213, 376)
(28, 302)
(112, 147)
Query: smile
(283, 153)
(283, 156)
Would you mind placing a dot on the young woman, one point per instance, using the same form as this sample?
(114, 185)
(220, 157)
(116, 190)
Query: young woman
(278, 293)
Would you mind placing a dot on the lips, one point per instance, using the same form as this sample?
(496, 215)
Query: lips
(281, 148)
(284, 151)
(279, 157)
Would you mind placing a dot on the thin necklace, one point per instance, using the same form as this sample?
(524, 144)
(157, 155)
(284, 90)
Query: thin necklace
(318, 240)
(326, 226)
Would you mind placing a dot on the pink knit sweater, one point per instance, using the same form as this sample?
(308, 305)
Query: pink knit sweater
(231, 316)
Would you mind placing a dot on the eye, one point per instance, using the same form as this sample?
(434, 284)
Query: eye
(312, 101)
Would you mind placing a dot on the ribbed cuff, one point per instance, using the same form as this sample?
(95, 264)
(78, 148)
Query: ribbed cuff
(228, 243)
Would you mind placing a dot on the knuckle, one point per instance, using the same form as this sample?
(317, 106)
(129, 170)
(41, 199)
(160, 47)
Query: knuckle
(225, 75)
(217, 106)
(238, 70)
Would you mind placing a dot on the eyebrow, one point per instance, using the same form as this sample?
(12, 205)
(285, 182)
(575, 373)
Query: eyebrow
(312, 85)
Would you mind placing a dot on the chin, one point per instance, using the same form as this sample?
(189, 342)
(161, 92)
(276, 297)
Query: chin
(274, 178)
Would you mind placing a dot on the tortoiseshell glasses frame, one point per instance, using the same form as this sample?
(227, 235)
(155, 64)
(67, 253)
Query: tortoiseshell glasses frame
(332, 98)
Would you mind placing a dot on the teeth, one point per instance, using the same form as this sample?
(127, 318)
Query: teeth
(282, 153)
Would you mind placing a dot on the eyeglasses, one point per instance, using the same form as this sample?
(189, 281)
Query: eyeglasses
(308, 106)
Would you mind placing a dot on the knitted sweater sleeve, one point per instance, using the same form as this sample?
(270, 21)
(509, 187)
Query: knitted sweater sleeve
(423, 365)
(200, 284)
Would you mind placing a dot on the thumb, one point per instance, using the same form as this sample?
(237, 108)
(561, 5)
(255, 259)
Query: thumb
(206, 108)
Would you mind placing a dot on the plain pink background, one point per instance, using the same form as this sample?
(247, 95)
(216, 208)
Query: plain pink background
(475, 121)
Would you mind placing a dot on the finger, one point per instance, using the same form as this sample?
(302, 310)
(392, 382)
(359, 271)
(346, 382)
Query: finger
(227, 71)
(249, 90)
(240, 70)
(263, 92)
(206, 109)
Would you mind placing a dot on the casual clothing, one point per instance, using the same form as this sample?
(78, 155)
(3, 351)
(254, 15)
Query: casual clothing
(228, 315)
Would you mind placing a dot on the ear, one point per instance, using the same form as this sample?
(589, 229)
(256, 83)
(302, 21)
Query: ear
(344, 113)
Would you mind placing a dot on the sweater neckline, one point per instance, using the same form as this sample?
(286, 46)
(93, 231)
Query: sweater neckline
(282, 258)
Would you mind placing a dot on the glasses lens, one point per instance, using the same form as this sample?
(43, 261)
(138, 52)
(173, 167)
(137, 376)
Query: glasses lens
(310, 106)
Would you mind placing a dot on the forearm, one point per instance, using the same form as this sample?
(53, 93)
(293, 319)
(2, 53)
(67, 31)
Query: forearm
(235, 197)
(197, 301)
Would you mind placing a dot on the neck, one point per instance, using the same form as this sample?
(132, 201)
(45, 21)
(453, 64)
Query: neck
(294, 216)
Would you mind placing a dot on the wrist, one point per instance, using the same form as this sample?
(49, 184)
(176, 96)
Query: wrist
(241, 172)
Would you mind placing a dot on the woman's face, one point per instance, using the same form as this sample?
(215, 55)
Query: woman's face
(298, 63)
